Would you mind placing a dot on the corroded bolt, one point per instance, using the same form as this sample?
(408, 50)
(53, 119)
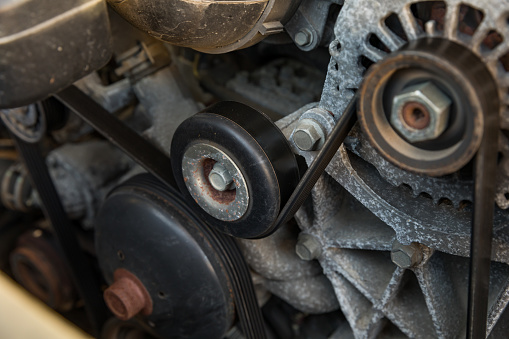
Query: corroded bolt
(308, 247)
(421, 112)
(220, 178)
(303, 37)
(415, 115)
(127, 296)
(308, 134)
(406, 256)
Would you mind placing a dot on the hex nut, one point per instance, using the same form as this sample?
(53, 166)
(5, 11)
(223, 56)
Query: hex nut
(308, 247)
(308, 135)
(406, 256)
(421, 112)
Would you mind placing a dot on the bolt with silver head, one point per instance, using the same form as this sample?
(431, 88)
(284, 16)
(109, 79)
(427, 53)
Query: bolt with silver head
(218, 201)
(304, 37)
(220, 178)
(309, 135)
(406, 256)
(308, 247)
(421, 112)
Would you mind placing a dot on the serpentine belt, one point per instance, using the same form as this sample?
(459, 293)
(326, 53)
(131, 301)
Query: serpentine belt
(159, 165)
(250, 316)
(84, 276)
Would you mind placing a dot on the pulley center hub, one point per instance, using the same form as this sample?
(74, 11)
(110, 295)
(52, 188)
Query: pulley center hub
(215, 182)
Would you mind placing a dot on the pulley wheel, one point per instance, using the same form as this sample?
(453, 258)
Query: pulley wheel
(162, 268)
(235, 167)
(464, 80)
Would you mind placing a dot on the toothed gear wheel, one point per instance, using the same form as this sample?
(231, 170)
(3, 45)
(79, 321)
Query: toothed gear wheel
(382, 28)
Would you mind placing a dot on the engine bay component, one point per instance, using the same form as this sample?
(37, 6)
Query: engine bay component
(64, 54)
(94, 166)
(376, 238)
(215, 182)
(82, 270)
(195, 303)
(27, 122)
(126, 296)
(121, 135)
(236, 136)
(37, 264)
(466, 24)
(405, 107)
(414, 206)
(17, 192)
(283, 273)
(208, 26)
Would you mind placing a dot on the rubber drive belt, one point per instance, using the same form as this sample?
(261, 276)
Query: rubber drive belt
(158, 164)
(84, 276)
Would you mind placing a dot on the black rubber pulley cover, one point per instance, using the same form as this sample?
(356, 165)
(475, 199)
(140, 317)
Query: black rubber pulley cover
(145, 228)
(259, 150)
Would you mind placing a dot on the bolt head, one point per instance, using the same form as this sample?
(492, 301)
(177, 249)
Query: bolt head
(308, 247)
(421, 112)
(401, 259)
(303, 38)
(307, 135)
(406, 256)
(219, 178)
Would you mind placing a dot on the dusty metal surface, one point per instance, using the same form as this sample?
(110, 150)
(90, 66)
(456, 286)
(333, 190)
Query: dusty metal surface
(94, 167)
(382, 203)
(283, 85)
(376, 296)
(298, 282)
(345, 73)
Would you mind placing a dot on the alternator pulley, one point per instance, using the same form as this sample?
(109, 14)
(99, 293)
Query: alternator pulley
(453, 71)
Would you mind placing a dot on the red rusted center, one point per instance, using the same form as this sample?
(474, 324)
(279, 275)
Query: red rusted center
(416, 115)
(222, 197)
(36, 274)
(127, 296)
(38, 267)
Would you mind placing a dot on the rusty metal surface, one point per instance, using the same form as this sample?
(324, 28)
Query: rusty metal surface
(469, 88)
(127, 296)
(39, 267)
(197, 162)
